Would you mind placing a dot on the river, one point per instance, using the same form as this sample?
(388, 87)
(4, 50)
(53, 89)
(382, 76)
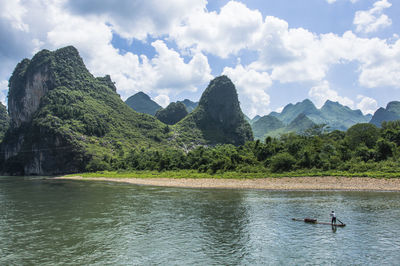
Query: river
(50, 222)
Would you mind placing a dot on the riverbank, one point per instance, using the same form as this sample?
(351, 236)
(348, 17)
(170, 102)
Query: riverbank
(275, 183)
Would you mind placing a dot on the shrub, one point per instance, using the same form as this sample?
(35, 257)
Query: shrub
(282, 162)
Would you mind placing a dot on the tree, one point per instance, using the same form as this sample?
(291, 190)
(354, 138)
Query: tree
(363, 133)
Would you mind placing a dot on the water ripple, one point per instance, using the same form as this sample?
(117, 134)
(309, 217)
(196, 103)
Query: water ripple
(59, 222)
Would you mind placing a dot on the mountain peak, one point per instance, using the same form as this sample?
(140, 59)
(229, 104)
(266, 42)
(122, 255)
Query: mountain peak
(391, 113)
(216, 120)
(142, 103)
(225, 111)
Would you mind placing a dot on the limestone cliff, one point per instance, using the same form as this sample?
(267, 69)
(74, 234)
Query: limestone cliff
(64, 120)
(217, 119)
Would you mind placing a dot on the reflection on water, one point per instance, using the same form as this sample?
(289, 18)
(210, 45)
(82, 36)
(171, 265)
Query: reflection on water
(59, 222)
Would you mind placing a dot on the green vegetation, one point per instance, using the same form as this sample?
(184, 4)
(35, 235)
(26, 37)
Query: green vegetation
(190, 106)
(364, 150)
(215, 121)
(299, 117)
(172, 114)
(81, 123)
(142, 103)
(265, 124)
(391, 113)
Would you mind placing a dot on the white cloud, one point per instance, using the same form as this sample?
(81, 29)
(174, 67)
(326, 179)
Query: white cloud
(138, 19)
(293, 55)
(373, 19)
(251, 86)
(322, 92)
(221, 34)
(366, 104)
(167, 72)
(13, 11)
(162, 100)
(3, 91)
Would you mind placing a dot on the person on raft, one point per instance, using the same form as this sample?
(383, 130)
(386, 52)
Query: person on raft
(333, 215)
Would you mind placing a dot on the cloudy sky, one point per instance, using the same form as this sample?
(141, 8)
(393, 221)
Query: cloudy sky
(276, 51)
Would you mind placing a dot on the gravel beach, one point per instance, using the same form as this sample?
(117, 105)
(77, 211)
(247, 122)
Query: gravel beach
(283, 183)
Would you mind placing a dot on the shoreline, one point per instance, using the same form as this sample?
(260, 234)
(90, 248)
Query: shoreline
(281, 183)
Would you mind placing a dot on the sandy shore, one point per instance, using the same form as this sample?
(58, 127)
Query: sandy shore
(284, 183)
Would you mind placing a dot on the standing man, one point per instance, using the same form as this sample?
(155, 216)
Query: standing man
(333, 215)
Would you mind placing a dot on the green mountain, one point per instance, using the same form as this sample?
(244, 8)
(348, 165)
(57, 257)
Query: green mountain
(255, 119)
(297, 117)
(300, 124)
(391, 113)
(271, 126)
(333, 114)
(190, 106)
(65, 120)
(172, 114)
(4, 121)
(142, 103)
(340, 117)
(291, 111)
(263, 125)
(217, 119)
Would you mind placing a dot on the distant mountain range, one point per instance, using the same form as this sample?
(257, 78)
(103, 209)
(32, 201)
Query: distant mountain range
(293, 118)
(391, 113)
(303, 115)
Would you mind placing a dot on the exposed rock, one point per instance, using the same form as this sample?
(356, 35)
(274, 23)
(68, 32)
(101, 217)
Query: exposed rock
(64, 119)
(30, 81)
(4, 121)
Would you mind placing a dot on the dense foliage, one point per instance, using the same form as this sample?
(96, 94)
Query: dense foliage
(142, 103)
(172, 114)
(362, 149)
(80, 119)
(217, 119)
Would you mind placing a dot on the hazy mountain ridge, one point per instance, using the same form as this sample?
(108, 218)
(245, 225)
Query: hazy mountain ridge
(333, 114)
(390, 113)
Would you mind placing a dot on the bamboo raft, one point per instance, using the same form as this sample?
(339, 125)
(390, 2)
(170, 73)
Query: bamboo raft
(314, 221)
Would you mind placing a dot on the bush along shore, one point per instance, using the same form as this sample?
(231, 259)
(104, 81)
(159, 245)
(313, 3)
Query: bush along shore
(364, 150)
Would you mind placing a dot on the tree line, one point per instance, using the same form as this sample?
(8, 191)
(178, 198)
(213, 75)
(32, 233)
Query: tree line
(363, 147)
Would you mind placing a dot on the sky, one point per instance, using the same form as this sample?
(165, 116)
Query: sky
(276, 52)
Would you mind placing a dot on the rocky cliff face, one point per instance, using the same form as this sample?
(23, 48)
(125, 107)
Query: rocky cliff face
(4, 121)
(63, 119)
(28, 148)
(30, 81)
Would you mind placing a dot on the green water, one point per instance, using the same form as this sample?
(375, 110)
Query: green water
(50, 222)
